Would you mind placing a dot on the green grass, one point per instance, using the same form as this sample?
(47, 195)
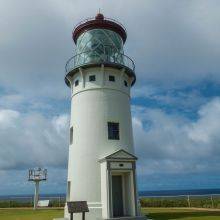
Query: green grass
(29, 214)
(180, 214)
(154, 213)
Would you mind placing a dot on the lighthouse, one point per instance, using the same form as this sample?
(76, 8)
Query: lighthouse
(102, 164)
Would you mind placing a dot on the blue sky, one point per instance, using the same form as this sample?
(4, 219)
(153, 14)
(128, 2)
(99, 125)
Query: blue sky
(175, 101)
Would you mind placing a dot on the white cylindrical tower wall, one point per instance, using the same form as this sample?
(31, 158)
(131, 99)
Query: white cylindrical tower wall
(93, 105)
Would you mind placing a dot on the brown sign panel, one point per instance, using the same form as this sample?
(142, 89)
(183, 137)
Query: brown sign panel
(77, 207)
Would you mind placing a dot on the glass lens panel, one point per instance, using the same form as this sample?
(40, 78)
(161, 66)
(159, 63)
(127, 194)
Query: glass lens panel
(99, 45)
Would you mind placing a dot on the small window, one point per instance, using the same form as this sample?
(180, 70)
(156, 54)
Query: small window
(126, 83)
(68, 191)
(113, 131)
(71, 135)
(76, 82)
(111, 78)
(92, 78)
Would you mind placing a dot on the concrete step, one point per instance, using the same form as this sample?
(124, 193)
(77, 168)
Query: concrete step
(119, 218)
(129, 218)
(60, 219)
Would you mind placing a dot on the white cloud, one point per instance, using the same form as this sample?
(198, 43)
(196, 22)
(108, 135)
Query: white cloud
(144, 91)
(11, 100)
(7, 118)
(169, 40)
(177, 97)
(169, 143)
(206, 130)
(164, 142)
(60, 123)
(32, 140)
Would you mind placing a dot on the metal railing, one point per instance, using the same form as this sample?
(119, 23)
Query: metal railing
(87, 58)
(195, 201)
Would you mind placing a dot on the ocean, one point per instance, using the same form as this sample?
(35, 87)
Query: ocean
(160, 193)
(190, 192)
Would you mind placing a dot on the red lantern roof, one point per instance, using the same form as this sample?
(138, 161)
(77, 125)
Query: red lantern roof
(99, 22)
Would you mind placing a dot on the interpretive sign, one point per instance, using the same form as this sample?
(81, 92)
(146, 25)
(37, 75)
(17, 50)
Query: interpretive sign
(43, 203)
(77, 207)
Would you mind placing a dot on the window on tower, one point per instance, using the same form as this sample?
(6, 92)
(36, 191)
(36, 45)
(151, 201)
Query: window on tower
(91, 78)
(71, 135)
(126, 83)
(68, 191)
(76, 82)
(113, 131)
(112, 78)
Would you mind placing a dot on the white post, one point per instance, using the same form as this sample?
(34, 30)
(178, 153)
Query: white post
(188, 200)
(36, 194)
(212, 202)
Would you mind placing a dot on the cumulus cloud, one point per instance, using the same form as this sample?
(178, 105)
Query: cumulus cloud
(169, 40)
(32, 140)
(164, 142)
(171, 143)
(184, 98)
(11, 100)
(7, 118)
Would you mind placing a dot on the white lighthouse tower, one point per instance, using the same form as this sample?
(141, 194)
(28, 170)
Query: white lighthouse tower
(101, 168)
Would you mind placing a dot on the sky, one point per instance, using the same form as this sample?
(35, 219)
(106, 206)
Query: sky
(175, 102)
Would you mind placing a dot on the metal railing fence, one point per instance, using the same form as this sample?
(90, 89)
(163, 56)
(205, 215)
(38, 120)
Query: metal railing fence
(190, 201)
(92, 57)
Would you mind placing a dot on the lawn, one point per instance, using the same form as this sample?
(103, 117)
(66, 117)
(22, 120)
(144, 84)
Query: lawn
(180, 214)
(29, 214)
(154, 213)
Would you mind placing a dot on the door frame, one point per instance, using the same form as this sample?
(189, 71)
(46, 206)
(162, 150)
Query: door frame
(129, 207)
(123, 193)
(120, 162)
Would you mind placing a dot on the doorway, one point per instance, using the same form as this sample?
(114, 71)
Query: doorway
(117, 196)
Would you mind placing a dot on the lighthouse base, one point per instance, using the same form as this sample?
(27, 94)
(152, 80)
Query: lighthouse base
(61, 219)
(129, 218)
(120, 218)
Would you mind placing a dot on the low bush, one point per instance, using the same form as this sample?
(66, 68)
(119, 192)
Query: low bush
(14, 204)
(17, 204)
